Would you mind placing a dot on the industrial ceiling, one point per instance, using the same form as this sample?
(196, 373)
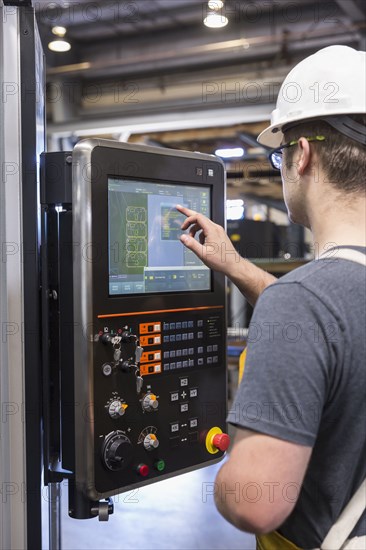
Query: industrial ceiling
(149, 70)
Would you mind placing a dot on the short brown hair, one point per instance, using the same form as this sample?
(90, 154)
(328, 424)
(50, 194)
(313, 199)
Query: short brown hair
(342, 158)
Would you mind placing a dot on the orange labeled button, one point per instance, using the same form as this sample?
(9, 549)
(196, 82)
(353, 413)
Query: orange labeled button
(149, 356)
(150, 328)
(153, 340)
(150, 368)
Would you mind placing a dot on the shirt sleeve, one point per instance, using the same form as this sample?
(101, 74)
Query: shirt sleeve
(292, 348)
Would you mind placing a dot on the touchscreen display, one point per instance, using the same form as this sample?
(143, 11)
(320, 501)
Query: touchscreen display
(145, 253)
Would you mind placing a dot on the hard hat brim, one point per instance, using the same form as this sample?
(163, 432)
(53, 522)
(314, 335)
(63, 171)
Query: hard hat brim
(270, 138)
(273, 135)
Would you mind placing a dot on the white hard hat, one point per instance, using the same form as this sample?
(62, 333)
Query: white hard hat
(328, 83)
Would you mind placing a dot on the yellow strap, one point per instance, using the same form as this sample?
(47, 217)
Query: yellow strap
(242, 358)
(274, 541)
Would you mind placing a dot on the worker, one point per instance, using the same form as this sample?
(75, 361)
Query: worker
(299, 450)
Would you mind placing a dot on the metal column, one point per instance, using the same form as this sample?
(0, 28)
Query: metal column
(13, 509)
(22, 141)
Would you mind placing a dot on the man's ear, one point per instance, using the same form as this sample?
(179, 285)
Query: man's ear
(304, 153)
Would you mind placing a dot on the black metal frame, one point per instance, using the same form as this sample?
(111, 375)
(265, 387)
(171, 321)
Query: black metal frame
(58, 329)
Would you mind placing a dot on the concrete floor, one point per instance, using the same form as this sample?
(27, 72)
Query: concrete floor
(172, 515)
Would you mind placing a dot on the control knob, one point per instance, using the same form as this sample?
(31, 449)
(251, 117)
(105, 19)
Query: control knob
(117, 409)
(151, 442)
(117, 451)
(150, 402)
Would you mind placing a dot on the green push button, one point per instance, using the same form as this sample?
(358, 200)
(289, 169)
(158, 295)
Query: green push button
(160, 465)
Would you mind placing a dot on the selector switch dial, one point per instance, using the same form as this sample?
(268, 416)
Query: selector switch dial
(150, 402)
(117, 452)
(151, 442)
(117, 409)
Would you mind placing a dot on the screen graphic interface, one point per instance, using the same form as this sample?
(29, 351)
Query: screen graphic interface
(145, 253)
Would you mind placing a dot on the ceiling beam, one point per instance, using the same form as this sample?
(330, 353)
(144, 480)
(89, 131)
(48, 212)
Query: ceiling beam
(351, 9)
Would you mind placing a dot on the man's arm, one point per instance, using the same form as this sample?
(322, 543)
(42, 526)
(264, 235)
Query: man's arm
(257, 488)
(217, 251)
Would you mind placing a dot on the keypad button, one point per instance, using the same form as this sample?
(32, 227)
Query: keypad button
(200, 349)
(209, 349)
(172, 353)
(166, 326)
(200, 323)
(215, 347)
(172, 326)
(172, 366)
(193, 437)
(179, 364)
(215, 359)
(178, 337)
(199, 334)
(185, 364)
(184, 336)
(193, 392)
(200, 361)
(166, 354)
(178, 326)
(174, 396)
(179, 353)
(191, 351)
(193, 422)
(184, 407)
(166, 366)
(184, 351)
(172, 338)
(183, 382)
(184, 324)
(191, 363)
(166, 339)
(190, 336)
(174, 427)
(209, 360)
(190, 324)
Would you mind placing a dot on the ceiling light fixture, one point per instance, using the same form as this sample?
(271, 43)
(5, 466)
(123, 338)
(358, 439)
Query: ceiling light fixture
(59, 45)
(59, 31)
(235, 153)
(215, 21)
(215, 4)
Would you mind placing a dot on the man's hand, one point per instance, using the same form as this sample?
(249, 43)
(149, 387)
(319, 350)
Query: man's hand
(214, 247)
(217, 251)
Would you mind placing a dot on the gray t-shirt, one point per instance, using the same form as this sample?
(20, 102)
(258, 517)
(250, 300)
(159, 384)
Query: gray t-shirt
(305, 382)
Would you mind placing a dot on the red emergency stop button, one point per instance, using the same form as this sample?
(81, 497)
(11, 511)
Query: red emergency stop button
(217, 441)
(221, 441)
(143, 470)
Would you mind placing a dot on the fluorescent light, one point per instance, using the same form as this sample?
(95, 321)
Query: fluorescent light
(235, 209)
(215, 4)
(215, 21)
(235, 153)
(59, 46)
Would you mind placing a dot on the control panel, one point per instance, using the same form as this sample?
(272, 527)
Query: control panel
(159, 383)
(135, 323)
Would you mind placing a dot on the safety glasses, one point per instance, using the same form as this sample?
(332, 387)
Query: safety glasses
(275, 156)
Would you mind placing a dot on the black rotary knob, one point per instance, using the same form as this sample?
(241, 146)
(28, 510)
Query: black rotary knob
(117, 451)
